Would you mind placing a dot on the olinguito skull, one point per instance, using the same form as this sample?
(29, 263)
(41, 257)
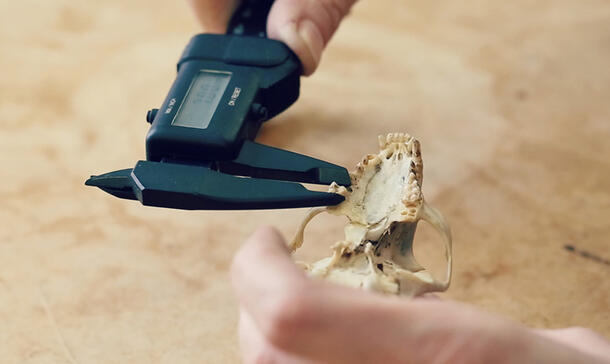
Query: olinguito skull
(383, 205)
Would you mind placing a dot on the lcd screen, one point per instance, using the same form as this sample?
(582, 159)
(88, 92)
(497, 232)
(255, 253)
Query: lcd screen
(201, 99)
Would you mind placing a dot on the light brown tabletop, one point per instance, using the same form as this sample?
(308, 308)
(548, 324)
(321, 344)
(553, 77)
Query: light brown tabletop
(510, 100)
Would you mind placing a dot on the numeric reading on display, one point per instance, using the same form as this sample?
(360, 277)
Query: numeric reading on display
(202, 99)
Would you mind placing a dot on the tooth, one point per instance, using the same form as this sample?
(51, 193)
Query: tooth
(416, 148)
(381, 141)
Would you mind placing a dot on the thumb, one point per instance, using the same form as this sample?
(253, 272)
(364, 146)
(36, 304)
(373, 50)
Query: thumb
(306, 26)
(263, 264)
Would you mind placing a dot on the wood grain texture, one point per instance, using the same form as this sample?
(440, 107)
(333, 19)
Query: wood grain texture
(509, 99)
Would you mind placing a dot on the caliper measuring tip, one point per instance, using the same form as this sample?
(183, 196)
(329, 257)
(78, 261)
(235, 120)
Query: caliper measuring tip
(117, 183)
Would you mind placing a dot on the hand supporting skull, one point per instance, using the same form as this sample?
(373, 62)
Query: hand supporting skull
(383, 205)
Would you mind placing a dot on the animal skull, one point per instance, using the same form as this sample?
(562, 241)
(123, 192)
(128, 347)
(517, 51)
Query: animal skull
(383, 205)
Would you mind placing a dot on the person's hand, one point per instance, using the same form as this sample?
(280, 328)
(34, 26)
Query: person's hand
(305, 26)
(286, 317)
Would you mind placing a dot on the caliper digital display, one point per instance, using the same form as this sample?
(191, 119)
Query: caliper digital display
(202, 99)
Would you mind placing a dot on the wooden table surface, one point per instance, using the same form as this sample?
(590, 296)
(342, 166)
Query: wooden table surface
(510, 99)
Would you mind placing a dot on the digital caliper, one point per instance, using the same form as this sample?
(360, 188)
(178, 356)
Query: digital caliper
(200, 152)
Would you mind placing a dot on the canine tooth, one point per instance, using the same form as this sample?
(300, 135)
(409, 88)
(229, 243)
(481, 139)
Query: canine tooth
(381, 141)
(416, 148)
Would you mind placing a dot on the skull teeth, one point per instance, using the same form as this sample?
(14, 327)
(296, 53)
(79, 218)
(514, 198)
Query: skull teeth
(392, 138)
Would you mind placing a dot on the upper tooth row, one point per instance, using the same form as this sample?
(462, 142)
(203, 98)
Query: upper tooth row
(393, 138)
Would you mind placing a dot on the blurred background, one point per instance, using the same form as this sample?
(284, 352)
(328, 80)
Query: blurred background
(510, 101)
